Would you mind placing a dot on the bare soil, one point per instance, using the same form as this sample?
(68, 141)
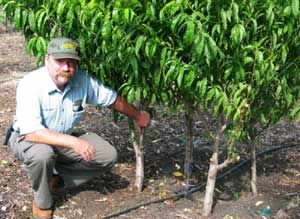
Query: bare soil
(278, 172)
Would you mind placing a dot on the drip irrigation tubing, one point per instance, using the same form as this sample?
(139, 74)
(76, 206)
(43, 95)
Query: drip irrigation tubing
(188, 192)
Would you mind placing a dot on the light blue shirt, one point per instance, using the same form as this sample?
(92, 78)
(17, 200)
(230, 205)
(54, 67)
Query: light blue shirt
(40, 104)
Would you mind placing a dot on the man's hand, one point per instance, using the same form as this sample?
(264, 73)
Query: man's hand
(143, 120)
(85, 149)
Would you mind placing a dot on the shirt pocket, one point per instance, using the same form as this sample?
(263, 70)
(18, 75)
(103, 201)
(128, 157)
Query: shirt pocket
(77, 117)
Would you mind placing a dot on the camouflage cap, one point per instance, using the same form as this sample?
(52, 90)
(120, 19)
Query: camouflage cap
(62, 48)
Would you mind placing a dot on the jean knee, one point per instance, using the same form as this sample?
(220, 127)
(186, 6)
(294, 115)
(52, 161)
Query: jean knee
(114, 156)
(41, 158)
(108, 158)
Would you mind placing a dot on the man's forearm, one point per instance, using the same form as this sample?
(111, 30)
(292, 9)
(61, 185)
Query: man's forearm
(46, 136)
(80, 146)
(122, 106)
(141, 118)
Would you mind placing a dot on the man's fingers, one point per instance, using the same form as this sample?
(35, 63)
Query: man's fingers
(90, 153)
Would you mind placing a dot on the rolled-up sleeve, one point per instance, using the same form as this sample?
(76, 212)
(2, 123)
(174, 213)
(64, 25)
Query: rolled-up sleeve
(100, 94)
(28, 110)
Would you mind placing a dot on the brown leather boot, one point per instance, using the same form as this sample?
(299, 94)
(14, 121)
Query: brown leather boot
(38, 213)
(57, 185)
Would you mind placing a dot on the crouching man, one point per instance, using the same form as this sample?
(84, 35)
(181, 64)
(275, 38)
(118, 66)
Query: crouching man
(50, 103)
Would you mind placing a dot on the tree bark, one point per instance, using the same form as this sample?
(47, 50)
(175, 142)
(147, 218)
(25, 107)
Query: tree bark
(138, 146)
(213, 171)
(188, 147)
(210, 185)
(253, 171)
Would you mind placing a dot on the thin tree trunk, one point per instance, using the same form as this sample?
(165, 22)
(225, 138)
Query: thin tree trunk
(188, 147)
(210, 185)
(253, 171)
(138, 146)
(212, 172)
(139, 153)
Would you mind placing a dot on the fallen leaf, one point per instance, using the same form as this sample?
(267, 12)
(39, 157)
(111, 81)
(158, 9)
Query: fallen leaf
(101, 200)
(177, 174)
(258, 203)
(4, 162)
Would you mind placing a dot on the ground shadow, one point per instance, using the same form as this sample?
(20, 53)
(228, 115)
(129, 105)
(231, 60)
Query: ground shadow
(105, 184)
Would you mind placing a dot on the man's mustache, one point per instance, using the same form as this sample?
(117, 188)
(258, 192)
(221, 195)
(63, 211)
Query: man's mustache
(66, 74)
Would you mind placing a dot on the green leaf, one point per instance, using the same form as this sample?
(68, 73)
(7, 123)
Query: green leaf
(237, 116)
(216, 30)
(189, 78)
(41, 45)
(18, 17)
(134, 64)
(32, 21)
(202, 86)
(240, 72)
(274, 40)
(235, 12)
(248, 60)
(219, 101)
(284, 53)
(228, 72)
(70, 20)
(180, 76)
(128, 15)
(150, 49)
(295, 7)
(94, 23)
(177, 22)
(54, 31)
(270, 14)
(287, 10)
(157, 77)
(41, 21)
(171, 73)
(30, 46)
(200, 45)
(139, 43)
(210, 94)
(213, 48)
(224, 19)
(10, 5)
(189, 34)
(254, 28)
(208, 55)
(138, 93)
(163, 56)
(115, 15)
(238, 33)
(166, 9)
(131, 95)
(60, 9)
(295, 113)
(153, 49)
(24, 19)
(106, 30)
(278, 92)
